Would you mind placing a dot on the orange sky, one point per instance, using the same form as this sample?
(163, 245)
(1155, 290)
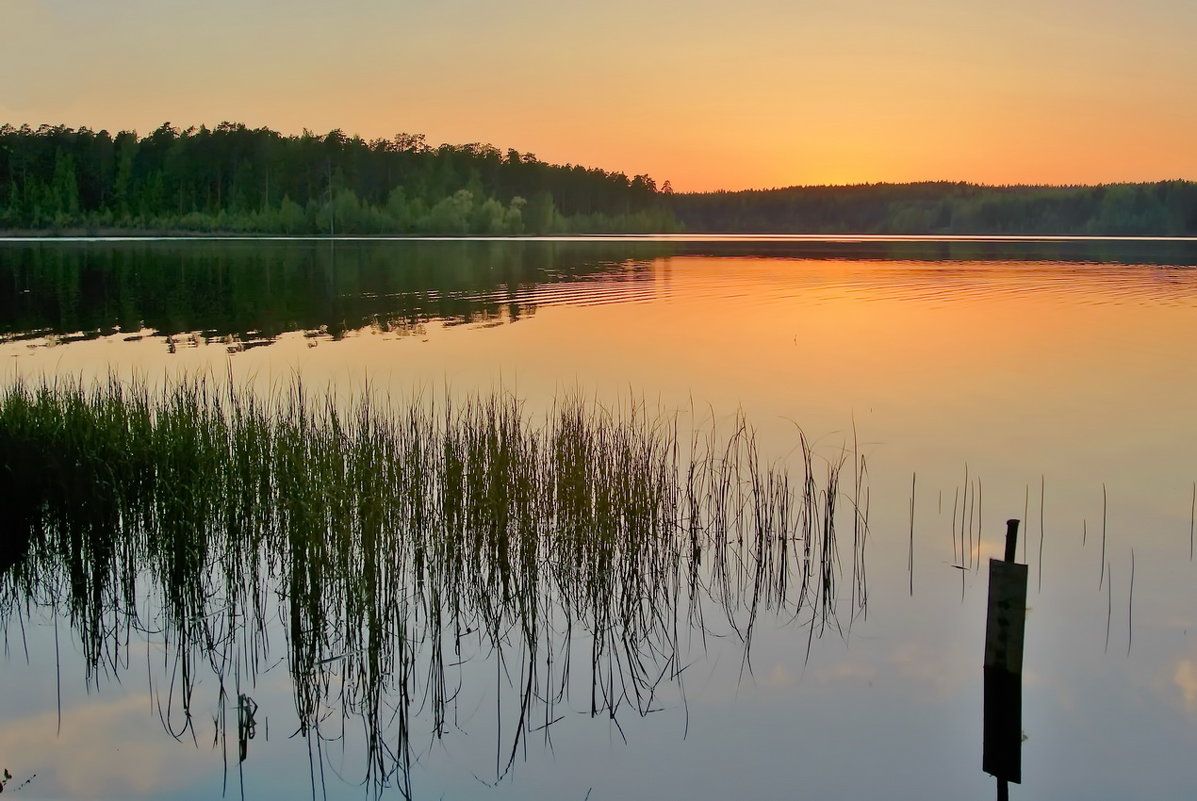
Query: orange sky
(708, 95)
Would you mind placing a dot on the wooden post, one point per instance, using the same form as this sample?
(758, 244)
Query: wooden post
(1004, 630)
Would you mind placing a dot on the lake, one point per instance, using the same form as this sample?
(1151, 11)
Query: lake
(930, 388)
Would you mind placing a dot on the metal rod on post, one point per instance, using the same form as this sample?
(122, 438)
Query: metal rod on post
(1011, 539)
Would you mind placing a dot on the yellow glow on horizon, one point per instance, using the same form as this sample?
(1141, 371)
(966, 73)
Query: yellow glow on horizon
(704, 95)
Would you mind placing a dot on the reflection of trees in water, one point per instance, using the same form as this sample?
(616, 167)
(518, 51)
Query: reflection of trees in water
(253, 291)
(246, 293)
(408, 553)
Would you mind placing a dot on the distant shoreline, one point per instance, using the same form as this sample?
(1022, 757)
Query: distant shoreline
(236, 181)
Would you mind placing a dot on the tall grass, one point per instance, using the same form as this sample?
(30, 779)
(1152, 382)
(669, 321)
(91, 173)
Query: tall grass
(393, 538)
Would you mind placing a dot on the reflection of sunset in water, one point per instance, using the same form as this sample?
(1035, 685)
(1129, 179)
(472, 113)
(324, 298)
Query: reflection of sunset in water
(976, 389)
(1185, 679)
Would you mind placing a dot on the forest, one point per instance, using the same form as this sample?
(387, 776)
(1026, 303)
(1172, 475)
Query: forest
(234, 179)
(1167, 208)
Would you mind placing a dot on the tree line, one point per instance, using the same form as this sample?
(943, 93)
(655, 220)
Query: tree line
(1167, 208)
(238, 179)
(232, 178)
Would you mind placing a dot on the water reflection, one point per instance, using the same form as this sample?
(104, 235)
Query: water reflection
(248, 293)
(408, 557)
(244, 294)
(1044, 379)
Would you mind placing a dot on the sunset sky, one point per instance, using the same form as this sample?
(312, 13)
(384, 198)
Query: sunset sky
(755, 93)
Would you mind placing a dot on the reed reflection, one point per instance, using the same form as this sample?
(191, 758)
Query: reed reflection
(412, 559)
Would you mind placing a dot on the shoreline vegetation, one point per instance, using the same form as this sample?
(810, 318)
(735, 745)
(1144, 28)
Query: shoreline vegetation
(235, 180)
(386, 550)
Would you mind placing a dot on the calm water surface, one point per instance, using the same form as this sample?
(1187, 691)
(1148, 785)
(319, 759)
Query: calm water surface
(981, 380)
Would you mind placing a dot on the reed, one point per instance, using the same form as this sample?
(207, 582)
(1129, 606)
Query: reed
(910, 545)
(1101, 577)
(399, 542)
(1130, 606)
(1109, 603)
(1042, 491)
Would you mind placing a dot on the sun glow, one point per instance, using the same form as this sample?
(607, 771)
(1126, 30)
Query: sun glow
(763, 94)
